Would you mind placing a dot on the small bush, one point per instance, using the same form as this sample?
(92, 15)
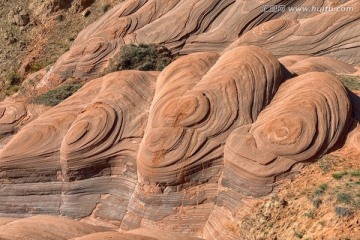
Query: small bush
(344, 198)
(11, 85)
(299, 234)
(38, 65)
(13, 79)
(317, 202)
(310, 214)
(321, 189)
(351, 82)
(106, 8)
(54, 97)
(144, 57)
(339, 175)
(355, 173)
(343, 212)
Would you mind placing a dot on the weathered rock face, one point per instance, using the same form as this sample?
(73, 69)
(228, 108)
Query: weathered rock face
(185, 150)
(307, 116)
(10, 116)
(333, 34)
(300, 64)
(185, 26)
(190, 119)
(60, 228)
(191, 149)
(95, 133)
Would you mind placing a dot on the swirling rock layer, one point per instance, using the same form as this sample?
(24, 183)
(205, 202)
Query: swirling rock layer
(188, 150)
(306, 118)
(188, 26)
(332, 33)
(191, 149)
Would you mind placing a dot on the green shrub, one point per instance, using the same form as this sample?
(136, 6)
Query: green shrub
(11, 85)
(355, 173)
(310, 214)
(298, 234)
(13, 79)
(339, 175)
(317, 202)
(351, 82)
(106, 8)
(344, 198)
(145, 57)
(321, 189)
(343, 212)
(55, 96)
(38, 65)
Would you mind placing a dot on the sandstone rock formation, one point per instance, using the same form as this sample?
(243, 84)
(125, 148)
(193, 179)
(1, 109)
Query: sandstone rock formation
(186, 26)
(183, 150)
(306, 118)
(10, 116)
(333, 34)
(189, 150)
(300, 64)
(59, 228)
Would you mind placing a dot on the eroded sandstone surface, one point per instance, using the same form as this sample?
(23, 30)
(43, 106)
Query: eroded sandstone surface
(189, 151)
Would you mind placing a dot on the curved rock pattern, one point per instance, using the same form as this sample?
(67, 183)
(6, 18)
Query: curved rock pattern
(64, 145)
(332, 34)
(300, 64)
(193, 148)
(11, 114)
(188, 124)
(185, 26)
(109, 129)
(59, 228)
(307, 117)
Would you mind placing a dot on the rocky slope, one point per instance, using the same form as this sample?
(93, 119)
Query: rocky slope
(201, 148)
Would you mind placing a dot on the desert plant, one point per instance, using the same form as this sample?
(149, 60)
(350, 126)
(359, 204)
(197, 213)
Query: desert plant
(344, 198)
(310, 214)
(339, 175)
(317, 202)
(321, 189)
(343, 211)
(38, 65)
(12, 79)
(351, 82)
(55, 96)
(106, 7)
(355, 173)
(145, 57)
(298, 234)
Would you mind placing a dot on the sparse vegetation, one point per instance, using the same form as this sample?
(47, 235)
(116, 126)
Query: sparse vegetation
(298, 234)
(145, 57)
(38, 65)
(351, 82)
(321, 189)
(344, 198)
(343, 211)
(11, 85)
(355, 173)
(317, 202)
(106, 7)
(339, 175)
(310, 214)
(326, 163)
(57, 95)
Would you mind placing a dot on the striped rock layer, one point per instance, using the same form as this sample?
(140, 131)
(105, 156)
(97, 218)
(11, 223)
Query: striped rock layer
(189, 150)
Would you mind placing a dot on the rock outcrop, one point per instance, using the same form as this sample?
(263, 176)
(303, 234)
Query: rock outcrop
(333, 34)
(306, 118)
(183, 150)
(189, 150)
(185, 26)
